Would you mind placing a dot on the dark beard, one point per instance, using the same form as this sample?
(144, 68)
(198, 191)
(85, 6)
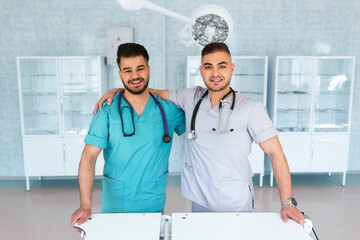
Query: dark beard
(138, 91)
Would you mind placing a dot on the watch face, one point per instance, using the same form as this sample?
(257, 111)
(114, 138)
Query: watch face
(293, 201)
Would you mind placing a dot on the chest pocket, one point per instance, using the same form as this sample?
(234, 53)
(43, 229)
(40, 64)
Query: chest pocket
(238, 131)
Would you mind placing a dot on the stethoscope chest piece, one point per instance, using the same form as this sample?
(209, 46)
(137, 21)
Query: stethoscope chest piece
(191, 135)
(166, 138)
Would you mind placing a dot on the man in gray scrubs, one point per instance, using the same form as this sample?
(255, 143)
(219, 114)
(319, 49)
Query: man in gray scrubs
(221, 126)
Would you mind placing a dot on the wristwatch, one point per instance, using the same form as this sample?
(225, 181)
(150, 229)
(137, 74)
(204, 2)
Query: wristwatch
(291, 201)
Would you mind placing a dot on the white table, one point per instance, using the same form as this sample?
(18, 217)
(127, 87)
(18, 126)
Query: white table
(192, 226)
(247, 226)
(127, 226)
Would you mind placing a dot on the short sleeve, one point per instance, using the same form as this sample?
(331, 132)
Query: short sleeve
(178, 97)
(179, 116)
(260, 125)
(98, 134)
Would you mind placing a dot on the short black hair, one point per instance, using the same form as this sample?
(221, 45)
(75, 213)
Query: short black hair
(215, 47)
(131, 50)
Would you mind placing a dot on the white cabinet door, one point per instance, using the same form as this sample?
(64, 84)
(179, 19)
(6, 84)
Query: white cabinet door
(39, 96)
(255, 157)
(73, 148)
(297, 150)
(80, 89)
(43, 156)
(330, 153)
(99, 168)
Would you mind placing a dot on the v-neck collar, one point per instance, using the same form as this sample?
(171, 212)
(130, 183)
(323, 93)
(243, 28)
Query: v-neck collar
(144, 114)
(208, 105)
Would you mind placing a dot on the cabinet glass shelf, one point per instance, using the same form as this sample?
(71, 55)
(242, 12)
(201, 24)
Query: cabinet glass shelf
(244, 74)
(294, 93)
(37, 75)
(293, 129)
(294, 110)
(41, 113)
(79, 75)
(39, 94)
(31, 131)
(329, 110)
(295, 75)
(78, 113)
(330, 128)
(76, 132)
(75, 93)
(251, 93)
(346, 94)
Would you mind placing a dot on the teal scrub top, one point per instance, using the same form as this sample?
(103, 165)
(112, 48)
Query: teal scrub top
(136, 167)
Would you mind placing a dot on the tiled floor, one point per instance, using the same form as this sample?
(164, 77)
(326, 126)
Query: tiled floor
(44, 212)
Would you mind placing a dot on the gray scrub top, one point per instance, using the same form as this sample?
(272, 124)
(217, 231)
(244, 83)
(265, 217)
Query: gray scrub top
(216, 172)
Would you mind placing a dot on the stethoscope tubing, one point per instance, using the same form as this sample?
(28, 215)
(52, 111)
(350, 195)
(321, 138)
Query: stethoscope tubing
(166, 137)
(166, 129)
(132, 115)
(192, 134)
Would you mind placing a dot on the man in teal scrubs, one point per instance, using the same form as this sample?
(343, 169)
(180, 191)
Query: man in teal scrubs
(135, 133)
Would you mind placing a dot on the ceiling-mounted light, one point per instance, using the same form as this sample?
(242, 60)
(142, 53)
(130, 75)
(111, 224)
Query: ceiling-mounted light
(207, 24)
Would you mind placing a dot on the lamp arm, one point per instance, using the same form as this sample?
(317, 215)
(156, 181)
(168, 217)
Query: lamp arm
(134, 5)
(166, 12)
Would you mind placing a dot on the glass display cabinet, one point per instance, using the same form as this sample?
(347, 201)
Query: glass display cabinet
(40, 96)
(312, 111)
(250, 79)
(56, 96)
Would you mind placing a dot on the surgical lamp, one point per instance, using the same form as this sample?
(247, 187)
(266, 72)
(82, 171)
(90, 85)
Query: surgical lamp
(206, 24)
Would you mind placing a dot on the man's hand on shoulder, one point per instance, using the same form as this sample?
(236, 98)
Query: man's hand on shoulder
(293, 213)
(108, 97)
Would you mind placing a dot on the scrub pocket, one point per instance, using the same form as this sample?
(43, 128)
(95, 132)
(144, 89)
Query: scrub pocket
(187, 179)
(148, 196)
(234, 196)
(112, 195)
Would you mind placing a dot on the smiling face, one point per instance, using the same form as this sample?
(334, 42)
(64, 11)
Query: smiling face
(134, 73)
(216, 70)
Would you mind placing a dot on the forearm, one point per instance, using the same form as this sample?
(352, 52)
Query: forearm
(282, 175)
(273, 149)
(163, 94)
(86, 178)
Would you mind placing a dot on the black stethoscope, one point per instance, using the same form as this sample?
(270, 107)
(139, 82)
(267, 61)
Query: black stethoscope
(192, 135)
(166, 137)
